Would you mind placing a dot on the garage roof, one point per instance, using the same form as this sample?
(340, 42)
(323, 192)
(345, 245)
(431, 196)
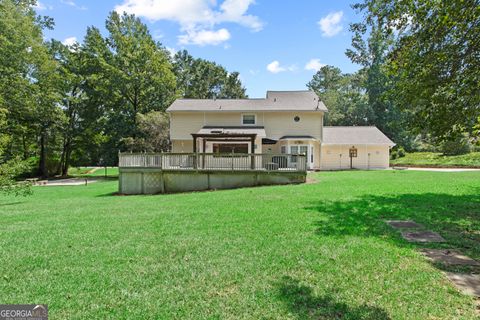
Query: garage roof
(274, 101)
(355, 135)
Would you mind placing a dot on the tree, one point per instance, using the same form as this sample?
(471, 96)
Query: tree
(434, 60)
(344, 95)
(370, 49)
(153, 133)
(202, 79)
(27, 81)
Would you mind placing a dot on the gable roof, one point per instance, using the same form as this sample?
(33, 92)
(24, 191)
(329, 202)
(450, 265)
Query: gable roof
(355, 135)
(275, 101)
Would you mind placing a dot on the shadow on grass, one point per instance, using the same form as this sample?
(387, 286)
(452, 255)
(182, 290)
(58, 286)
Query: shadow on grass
(301, 301)
(10, 203)
(455, 217)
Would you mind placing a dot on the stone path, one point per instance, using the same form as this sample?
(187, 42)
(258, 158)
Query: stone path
(422, 236)
(467, 283)
(407, 224)
(449, 257)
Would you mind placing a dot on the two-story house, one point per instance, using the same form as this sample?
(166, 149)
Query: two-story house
(283, 122)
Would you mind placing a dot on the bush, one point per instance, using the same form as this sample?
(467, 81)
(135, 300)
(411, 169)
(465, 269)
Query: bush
(393, 155)
(459, 145)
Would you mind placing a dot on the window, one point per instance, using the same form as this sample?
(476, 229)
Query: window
(283, 149)
(248, 119)
(230, 148)
(296, 119)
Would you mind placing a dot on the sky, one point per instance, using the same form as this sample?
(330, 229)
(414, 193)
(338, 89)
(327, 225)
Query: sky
(273, 44)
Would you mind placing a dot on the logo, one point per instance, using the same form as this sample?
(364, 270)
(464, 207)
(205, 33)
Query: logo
(23, 312)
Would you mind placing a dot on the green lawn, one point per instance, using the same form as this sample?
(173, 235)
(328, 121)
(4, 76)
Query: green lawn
(311, 251)
(437, 159)
(93, 172)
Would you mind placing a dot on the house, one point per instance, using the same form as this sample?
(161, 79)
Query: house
(283, 122)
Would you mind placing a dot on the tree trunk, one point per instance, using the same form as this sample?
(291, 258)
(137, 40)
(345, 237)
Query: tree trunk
(43, 156)
(61, 164)
(66, 162)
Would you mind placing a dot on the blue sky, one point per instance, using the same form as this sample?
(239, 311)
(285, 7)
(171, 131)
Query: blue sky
(274, 44)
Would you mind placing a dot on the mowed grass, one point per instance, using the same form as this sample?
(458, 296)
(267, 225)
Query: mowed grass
(311, 251)
(439, 160)
(93, 172)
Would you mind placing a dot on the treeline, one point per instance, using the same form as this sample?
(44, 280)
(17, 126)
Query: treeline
(80, 104)
(419, 80)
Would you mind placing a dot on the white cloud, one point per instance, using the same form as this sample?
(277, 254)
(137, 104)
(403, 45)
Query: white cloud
(70, 41)
(204, 37)
(275, 67)
(73, 4)
(314, 64)
(171, 51)
(197, 18)
(42, 6)
(39, 6)
(331, 24)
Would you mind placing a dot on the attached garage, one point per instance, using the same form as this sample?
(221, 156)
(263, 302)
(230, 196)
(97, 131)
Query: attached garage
(354, 147)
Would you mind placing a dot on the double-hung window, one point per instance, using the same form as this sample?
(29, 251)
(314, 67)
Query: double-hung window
(248, 119)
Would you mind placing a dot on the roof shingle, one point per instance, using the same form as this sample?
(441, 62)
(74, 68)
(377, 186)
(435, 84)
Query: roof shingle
(275, 101)
(355, 135)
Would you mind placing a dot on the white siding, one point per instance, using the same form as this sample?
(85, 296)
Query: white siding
(336, 157)
(277, 124)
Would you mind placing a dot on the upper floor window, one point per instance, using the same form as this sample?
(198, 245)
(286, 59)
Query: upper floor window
(248, 119)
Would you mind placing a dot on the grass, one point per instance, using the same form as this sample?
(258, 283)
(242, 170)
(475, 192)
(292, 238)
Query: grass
(311, 251)
(439, 160)
(93, 172)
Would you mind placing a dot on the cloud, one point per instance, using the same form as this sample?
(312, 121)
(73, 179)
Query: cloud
(331, 24)
(73, 4)
(204, 37)
(171, 51)
(197, 18)
(275, 67)
(314, 64)
(39, 6)
(70, 41)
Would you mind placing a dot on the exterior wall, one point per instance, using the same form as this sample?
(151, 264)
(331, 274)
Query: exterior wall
(277, 124)
(152, 181)
(336, 157)
(182, 146)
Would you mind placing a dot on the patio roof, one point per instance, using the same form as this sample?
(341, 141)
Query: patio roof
(233, 130)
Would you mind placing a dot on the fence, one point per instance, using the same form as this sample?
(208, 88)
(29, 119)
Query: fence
(214, 161)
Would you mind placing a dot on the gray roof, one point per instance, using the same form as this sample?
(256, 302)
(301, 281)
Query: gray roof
(275, 101)
(355, 135)
(259, 131)
(296, 137)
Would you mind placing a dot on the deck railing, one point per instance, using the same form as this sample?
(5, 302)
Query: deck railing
(215, 161)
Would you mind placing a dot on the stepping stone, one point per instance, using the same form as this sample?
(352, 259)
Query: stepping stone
(422, 236)
(404, 224)
(449, 257)
(467, 283)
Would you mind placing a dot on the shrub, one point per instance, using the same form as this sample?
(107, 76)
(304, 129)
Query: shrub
(393, 155)
(456, 146)
(401, 152)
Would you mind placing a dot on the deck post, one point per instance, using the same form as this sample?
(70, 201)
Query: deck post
(252, 157)
(204, 142)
